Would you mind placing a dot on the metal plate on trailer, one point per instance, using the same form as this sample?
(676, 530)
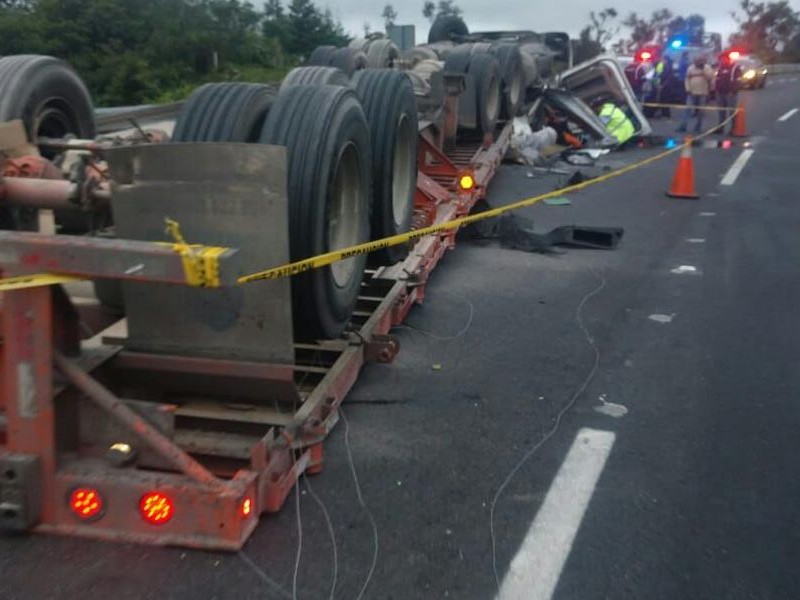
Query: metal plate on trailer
(230, 195)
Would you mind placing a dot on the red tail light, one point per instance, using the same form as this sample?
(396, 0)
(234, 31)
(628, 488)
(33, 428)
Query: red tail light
(644, 56)
(247, 507)
(156, 508)
(86, 504)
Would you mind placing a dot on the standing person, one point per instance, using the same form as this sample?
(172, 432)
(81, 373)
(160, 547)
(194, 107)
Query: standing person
(699, 85)
(635, 73)
(683, 67)
(666, 78)
(727, 88)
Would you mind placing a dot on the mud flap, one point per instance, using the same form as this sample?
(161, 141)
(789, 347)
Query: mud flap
(231, 195)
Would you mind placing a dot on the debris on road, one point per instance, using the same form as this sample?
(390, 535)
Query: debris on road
(558, 201)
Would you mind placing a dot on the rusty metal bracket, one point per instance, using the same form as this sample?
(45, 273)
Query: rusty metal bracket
(455, 84)
(381, 348)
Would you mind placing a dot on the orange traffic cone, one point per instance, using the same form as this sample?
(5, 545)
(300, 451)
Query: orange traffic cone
(683, 183)
(739, 124)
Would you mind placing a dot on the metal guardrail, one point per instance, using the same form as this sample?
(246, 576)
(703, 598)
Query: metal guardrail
(784, 68)
(114, 119)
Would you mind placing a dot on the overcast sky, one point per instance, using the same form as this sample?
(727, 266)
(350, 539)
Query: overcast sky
(536, 15)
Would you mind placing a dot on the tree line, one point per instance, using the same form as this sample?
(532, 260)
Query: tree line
(140, 51)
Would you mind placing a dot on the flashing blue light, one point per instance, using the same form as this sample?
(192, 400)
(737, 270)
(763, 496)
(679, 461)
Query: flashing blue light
(671, 143)
(676, 44)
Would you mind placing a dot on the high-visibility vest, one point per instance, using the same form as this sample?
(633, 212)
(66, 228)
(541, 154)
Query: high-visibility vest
(617, 122)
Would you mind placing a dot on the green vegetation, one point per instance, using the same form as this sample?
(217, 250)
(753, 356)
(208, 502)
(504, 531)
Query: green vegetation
(141, 51)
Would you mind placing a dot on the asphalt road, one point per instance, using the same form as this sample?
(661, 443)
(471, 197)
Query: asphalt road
(696, 377)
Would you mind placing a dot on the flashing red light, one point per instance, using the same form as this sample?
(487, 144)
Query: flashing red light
(156, 508)
(735, 55)
(645, 55)
(247, 507)
(86, 503)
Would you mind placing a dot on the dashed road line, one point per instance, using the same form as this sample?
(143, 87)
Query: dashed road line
(536, 569)
(788, 115)
(685, 270)
(736, 168)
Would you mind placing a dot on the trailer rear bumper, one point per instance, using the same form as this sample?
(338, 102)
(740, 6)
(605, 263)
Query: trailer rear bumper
(203, 516)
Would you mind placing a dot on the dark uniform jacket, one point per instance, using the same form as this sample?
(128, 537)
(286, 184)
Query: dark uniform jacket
(728, 75)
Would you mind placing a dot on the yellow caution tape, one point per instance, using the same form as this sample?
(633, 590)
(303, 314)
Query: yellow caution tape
(322, 260)
(35, 280)
(201, 263)
(692, 107)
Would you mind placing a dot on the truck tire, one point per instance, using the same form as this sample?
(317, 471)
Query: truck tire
(512, 79)
(419, 53)
(51, 100)
(47, 94)
(315, 76)
(485, 70)
(321, 56)
(479, 47)
(215, 112)
(381, 54)
(348, 60)
(445, 27)
(329, 160)
(359, 44)
(458, 60)
(224, 112)
(390, 107)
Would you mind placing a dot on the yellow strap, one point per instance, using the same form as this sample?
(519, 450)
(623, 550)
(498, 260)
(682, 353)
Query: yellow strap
(200, 263)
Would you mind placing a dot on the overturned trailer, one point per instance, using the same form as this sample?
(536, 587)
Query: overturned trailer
(178, 406)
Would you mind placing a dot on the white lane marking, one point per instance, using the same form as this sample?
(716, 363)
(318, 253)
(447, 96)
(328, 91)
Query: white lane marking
(658, 318)
(536, 568)
(696, 240)
(788, 115)
(610, 409)
(685, 269)
(708, 214)
(736, 168)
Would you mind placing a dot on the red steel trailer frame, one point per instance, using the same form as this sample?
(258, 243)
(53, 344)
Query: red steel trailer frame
(204, 488)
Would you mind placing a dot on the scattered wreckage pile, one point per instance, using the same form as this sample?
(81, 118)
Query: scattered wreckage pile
(507, 75)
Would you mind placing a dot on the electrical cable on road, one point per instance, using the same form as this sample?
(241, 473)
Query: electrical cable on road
(299, 553)
(263, 575)
(447, 338)
(363, 504)
(331, 532)
(566, 408)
